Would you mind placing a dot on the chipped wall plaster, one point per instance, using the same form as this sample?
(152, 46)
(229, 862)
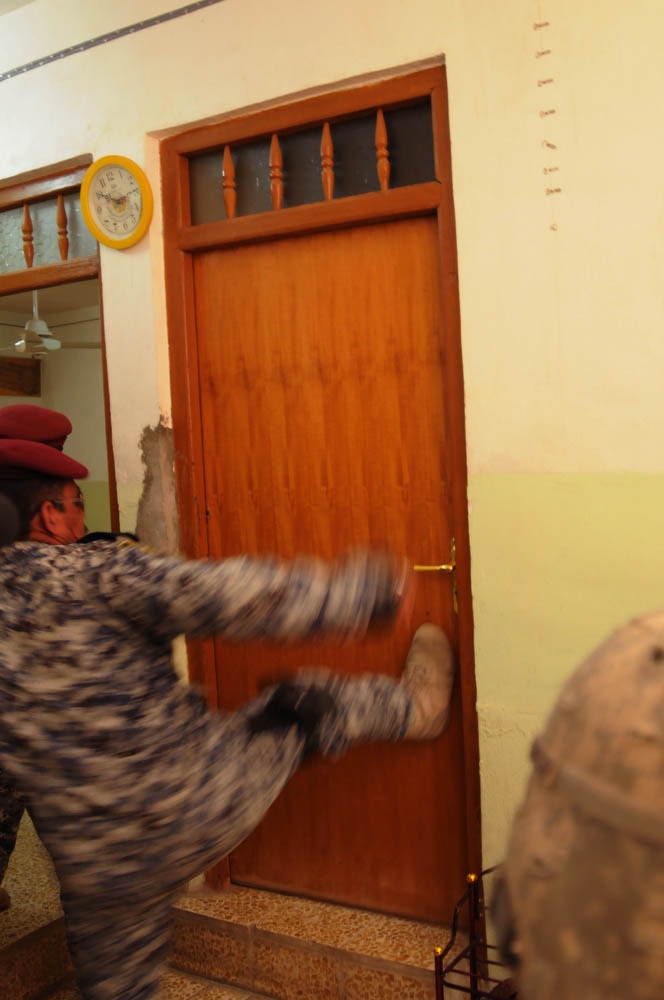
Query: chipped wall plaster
(157, 519)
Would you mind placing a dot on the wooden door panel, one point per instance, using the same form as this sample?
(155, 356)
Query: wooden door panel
(323, 413)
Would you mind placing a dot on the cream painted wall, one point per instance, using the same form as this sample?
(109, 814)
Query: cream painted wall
(561, 294)
(72, 381)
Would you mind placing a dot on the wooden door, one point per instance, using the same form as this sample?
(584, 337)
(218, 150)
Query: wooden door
(323, 386)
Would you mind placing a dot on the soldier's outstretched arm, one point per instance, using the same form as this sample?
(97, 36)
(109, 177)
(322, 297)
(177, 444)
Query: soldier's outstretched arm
(248, 597)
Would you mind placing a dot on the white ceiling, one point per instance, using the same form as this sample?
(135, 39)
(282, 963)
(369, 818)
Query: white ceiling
(52, 301)
(7, 5)
(72, 313)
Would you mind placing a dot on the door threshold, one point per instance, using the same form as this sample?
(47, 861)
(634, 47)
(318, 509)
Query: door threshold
(272, 943)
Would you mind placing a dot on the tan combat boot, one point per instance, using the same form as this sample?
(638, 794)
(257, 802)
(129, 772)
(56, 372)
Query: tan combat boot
(429, 677)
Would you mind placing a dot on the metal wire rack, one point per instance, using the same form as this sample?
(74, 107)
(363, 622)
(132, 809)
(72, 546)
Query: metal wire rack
(475, 968)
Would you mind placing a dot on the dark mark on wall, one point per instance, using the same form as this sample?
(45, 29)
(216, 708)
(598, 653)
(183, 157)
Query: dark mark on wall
(547, 112)
(110, 36)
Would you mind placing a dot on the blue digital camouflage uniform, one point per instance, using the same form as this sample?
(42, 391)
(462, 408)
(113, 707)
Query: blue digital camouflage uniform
(134, 784)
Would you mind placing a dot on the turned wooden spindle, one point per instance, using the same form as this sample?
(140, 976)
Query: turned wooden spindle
(382, 152)
(230, 191)
(63, 236)
(28, 238)
(276, 173)
(327, 162)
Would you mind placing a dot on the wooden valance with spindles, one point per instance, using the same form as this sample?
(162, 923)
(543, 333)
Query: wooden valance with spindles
(327, 167)
(20, 195)
(28, 190)
(322, 163)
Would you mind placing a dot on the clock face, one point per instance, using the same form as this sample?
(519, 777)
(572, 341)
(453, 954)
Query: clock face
(116, 201)
(115, 198)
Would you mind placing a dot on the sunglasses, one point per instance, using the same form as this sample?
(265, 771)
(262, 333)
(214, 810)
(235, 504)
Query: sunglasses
(79, 501)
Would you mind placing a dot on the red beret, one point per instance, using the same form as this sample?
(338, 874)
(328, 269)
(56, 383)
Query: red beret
(17, 457)
(25, 422)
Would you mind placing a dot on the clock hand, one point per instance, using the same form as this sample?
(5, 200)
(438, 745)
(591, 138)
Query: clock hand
(122, 199)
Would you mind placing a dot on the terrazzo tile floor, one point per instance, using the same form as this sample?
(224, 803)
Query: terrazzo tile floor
(32, 884)
(393, 939)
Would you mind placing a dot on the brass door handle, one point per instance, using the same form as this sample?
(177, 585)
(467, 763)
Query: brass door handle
(440, 567)
(449, 567)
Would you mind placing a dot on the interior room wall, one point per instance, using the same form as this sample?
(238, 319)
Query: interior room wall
(557, 166)
(72, 382)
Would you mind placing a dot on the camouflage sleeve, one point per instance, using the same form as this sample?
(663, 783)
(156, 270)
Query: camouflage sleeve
(250, 598)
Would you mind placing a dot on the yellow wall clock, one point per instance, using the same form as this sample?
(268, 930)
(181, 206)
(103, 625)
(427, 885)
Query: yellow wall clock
(116, 201)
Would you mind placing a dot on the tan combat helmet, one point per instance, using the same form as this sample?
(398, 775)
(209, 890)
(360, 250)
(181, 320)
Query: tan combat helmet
(584, 871)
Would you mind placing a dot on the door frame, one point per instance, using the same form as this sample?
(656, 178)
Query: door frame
(183, 239)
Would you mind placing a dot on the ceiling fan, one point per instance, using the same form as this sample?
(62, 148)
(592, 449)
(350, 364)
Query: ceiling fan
(38, 338)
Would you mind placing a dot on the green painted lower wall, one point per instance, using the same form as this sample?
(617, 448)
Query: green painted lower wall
(97, 505)
(558, 561)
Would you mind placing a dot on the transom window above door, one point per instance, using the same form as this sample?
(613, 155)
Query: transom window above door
(41, 224)
(381, 149)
